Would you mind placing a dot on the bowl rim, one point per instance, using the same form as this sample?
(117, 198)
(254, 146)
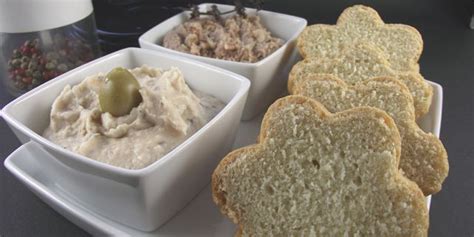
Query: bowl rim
(98, 165)
(142, 39)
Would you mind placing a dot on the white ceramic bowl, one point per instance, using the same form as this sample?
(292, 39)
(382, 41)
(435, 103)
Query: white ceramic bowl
(268, 76)
(145, 198)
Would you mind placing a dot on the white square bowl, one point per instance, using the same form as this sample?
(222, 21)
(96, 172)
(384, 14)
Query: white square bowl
(146, 198)
(268, 76)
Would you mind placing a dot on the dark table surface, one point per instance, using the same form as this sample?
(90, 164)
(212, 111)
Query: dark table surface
(448, 59)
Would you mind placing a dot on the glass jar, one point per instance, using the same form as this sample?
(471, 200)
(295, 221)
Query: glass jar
(28, 59)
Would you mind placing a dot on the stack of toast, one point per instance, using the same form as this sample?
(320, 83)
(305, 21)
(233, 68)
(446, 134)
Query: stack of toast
(343, 154)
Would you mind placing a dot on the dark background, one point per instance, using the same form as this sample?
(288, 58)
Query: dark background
(448, 59)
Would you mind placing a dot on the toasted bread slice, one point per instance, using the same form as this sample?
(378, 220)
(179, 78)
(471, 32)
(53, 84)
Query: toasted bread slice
(361, 62)
(424, 159)
(401, 44)
(314, 173)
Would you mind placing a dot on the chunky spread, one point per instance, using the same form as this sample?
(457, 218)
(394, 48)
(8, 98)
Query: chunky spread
(169, 113)
(237, 38)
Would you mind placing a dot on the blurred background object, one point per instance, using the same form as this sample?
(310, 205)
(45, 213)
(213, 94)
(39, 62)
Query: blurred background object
(471, 24)
(121, 22)
(46, 39)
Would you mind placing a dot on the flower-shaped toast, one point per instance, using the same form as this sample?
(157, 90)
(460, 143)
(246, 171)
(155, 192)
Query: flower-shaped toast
(314, 173)
(401, 44)
(361, 62)
(423, 159)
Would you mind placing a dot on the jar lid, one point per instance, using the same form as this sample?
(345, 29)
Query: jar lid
(20, 16)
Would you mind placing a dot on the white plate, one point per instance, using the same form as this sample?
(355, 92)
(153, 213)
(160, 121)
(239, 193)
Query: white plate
(30, 164)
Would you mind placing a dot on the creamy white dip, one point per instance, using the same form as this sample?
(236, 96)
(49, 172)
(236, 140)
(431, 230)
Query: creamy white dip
(169, 113)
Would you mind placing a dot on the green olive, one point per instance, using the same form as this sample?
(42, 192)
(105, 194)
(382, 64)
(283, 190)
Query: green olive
(120, 93)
